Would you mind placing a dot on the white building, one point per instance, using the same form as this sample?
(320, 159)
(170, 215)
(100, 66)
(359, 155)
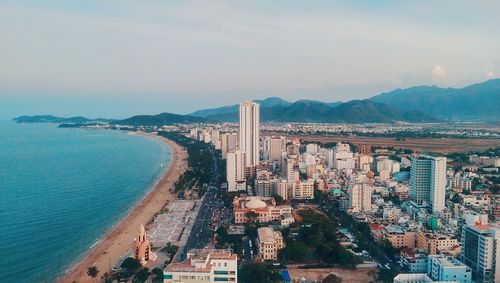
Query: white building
(204, 266)
(250, 132)
(428, 181)
(235, 170)
(448, 268)
(360, 197)
(480, 251)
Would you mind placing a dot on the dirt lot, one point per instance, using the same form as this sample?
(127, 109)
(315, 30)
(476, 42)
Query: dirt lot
(361, 275)
(438, 145)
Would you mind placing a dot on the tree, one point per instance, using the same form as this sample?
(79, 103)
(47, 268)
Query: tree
(278, 199)
(158, 272)
(256, 272)
(141, 276)
(131, 264)
(252, 216)
(332, 278)
(92, 272)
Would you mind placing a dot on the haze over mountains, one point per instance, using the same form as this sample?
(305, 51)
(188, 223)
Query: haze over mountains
(478, 102)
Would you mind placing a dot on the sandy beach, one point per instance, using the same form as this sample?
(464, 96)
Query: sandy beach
(118, 240)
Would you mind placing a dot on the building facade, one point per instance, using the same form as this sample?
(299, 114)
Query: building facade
(204, 266)
(269, 243)
(235, 170)
(250, 132)
(428, 181)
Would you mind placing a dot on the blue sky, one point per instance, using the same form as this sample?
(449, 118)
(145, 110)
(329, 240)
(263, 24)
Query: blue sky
(118, 58)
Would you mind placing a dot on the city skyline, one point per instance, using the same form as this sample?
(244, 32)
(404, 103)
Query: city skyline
(122, 58)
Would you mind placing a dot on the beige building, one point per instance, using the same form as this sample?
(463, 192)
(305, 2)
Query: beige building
(258, 209)
(433, 243)
(204, 266)
(398, 237)
(277, 146)
(303, 189)
(269, 243)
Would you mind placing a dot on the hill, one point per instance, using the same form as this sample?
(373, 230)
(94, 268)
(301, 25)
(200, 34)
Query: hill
(477, 102)
(160, 120)
(56, 119)
(356, 111)
(268, 102)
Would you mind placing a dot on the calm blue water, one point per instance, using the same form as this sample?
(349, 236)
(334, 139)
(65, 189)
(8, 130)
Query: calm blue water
(61, 189)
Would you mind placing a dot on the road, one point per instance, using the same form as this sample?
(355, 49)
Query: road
(203, 230)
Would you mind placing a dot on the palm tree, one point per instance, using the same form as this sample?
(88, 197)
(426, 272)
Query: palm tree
(92, 272)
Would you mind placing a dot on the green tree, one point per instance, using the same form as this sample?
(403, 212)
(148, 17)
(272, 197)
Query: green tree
(141, 276)
(92, 272)
(332, 278)
(256, 272)
(131, 264)
(158, 272)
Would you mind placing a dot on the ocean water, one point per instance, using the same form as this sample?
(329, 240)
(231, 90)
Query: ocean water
(62, 189)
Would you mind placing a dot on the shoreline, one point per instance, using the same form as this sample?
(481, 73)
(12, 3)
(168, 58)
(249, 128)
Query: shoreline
(118, 239)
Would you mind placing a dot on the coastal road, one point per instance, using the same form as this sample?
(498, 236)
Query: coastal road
(202, 230)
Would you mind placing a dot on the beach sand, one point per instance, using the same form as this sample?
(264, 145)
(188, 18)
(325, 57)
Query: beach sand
(119, 240)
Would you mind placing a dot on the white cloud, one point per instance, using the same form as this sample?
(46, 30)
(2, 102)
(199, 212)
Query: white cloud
(438, 71)
(488, 74)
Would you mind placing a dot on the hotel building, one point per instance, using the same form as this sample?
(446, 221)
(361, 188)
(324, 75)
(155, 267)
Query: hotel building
(428, 181)
(204, 266)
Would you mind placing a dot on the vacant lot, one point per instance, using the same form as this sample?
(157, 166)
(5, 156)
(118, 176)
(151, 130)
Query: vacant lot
(438, 145)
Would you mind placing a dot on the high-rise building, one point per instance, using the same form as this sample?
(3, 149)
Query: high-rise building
(480, 251)
(360, 197)
(235, 170)
(228, 142)
(250, 132)
(428, 181)
(291, 171)
(276, 147)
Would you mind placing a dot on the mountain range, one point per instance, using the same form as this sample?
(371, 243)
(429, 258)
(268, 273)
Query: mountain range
(478, 102)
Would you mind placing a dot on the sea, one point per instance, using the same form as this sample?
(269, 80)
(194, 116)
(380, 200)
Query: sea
(62, 189)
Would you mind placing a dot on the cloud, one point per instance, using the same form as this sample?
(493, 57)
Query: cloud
(438, 71)
(488, 74)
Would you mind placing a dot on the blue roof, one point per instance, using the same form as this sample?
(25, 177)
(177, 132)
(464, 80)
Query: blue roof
(285, 275)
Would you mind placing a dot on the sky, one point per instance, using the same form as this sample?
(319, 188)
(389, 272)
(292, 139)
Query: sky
(119, 58)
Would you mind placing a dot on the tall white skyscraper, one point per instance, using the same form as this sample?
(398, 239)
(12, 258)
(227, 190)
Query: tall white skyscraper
(428, 181)
(235, 170)
(250, 132)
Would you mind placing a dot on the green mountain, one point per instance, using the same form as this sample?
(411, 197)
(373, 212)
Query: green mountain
(268, 102)
(138, 120)
(160, 120)
(355, 111)
(55, 119)
(477, 102)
